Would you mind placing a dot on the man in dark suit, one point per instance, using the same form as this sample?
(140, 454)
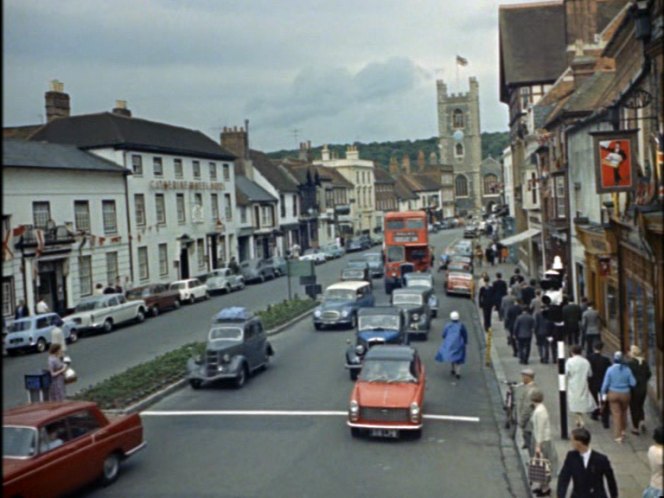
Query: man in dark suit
(599, 364)
(512, 314)
(572, 318)
(528, 292)
(587, 469)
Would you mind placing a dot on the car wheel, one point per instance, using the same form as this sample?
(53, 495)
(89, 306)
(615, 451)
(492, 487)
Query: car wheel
(353, 374)
(355, 431)
(73, 336)
(154, 311)
(241, 378)
(228, 289)
(353, 321)
(108, 325)
(140, 316)
(177, 304)
(195, 383)
(41, 345)
(192, 299)
(110, 469)
(262, 278)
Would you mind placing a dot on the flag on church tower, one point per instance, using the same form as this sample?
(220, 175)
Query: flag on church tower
(461, 61)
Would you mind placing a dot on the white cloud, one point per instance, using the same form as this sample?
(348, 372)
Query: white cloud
(334, 70)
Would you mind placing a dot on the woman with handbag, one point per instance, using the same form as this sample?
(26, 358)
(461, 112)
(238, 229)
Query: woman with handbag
(57, 367)
(541, 466)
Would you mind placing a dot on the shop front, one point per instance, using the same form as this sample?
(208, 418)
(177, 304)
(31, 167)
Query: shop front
(640, 260)
(598, 279)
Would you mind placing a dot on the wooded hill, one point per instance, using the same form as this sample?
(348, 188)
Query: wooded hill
(492, 144)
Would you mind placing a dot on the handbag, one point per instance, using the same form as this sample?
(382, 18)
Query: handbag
(70, 375)
(539, 470)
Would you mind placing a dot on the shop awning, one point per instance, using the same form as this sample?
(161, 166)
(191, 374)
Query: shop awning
(519, 237)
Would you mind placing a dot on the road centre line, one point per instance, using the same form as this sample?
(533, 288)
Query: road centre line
(282, 413)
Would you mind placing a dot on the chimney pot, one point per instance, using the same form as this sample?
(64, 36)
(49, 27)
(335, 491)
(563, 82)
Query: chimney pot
(57, 102)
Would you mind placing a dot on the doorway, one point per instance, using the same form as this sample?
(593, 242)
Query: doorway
(184, 263)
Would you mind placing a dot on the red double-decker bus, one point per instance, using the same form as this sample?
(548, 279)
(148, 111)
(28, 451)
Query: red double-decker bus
(405, 240)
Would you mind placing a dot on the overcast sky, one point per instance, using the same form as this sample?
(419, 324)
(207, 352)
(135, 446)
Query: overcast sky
(328, 71)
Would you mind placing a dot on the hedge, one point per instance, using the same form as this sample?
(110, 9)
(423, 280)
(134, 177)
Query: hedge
(138, 382)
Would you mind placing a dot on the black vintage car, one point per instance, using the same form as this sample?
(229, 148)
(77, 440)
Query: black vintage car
(378, 325)
(360, 264)
(236, 347)
(414, 301)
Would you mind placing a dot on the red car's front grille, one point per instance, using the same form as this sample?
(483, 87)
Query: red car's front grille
(384, 414)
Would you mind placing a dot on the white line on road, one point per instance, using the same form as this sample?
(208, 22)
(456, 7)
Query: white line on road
(281, 413)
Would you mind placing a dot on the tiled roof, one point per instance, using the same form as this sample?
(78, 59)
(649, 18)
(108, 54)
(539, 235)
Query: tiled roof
(20, 132)
(273, 171)
(589, 94)
(421, 182)
(112, 130)
(532, 44)
(382, 176)
(403, 189)
(26, 154)
(252, 191)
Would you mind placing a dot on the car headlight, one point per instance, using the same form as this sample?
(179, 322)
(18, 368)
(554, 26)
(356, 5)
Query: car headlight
(198, 359)
(416, 317)
(359, 350)
(317, 313)
(226, 358)
(345, 313)
(354, 410)
(414, 412)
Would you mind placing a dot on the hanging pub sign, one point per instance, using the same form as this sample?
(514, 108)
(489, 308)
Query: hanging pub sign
(615, 160)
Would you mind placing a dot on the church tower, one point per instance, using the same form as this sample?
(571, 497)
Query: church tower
(461, 143)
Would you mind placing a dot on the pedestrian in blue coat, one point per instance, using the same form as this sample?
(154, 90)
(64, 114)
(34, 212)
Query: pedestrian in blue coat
(453, 348)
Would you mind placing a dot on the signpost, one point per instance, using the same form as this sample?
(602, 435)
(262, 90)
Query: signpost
(300, 269)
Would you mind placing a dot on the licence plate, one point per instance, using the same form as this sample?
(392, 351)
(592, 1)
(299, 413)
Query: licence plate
(391, 433)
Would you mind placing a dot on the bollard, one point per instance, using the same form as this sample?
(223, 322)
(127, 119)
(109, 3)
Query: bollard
(487, 352)
(562, 389)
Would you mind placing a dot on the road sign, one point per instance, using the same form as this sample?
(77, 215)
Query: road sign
(313, 290)
(308, 280)
(300, 268)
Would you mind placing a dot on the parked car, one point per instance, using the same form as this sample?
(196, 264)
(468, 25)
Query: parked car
(256, 270)
(314, 254)
(432, 228)
(53, 449)
(354, 245)
(333, 251)
(236, 347)
(191, 290)
(341, 301)
(388, 397)
(157, 297)
(470, 232)
(34, 333)
(375, 262)
(106, 311)
(414, 301)
(365, 241)
(279, 264)
(424, 280)
(222, 280)
(378, 325)
(377, 239)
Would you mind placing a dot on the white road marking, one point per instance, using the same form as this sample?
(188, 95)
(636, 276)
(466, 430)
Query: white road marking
(282, 413)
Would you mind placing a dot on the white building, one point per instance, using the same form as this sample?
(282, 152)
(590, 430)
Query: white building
(508, 180)
(65, 224)
(360, 173)
(181, 195)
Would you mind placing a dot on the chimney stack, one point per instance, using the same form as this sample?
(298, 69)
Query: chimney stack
(394, 166)
(325, 153)
(121, 108)
(352, 153)
(583, 67)
(405, 164)
(57, 102)
(236, 141)
(421, 161)
(305, 153)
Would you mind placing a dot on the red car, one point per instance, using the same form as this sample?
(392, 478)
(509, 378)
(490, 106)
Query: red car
(157, 297)
(459, 279)
(54, 448)
(389, 394)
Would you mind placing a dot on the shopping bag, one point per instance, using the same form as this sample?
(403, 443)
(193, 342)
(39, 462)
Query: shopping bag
(70, 375)
(539, 470)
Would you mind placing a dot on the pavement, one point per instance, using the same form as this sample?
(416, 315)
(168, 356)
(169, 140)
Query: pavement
(629, 460)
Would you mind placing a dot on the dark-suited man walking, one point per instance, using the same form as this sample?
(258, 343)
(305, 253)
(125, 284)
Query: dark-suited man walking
(587, 469)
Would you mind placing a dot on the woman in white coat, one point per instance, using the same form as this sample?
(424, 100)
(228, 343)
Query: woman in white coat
(577, 372)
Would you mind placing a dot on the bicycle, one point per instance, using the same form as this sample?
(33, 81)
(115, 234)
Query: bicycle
(509, 406)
